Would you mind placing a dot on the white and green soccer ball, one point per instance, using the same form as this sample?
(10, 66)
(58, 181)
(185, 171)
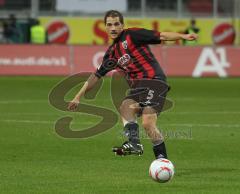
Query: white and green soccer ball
(161, 170)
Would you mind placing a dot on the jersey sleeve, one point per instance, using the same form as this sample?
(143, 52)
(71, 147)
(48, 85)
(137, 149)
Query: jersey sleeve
(108, 64)
(144, 36)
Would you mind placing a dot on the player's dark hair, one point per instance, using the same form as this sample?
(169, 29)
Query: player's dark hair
(113, 13)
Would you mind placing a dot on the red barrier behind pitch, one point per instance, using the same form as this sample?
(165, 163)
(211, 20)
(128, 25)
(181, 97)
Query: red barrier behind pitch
(66, 60)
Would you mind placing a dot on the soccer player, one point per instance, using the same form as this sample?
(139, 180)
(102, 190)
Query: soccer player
(131, 54)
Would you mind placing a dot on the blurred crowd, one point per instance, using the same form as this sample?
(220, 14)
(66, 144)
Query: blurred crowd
(13, 30)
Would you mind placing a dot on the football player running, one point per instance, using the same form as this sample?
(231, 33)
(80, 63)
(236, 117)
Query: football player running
(130, 53)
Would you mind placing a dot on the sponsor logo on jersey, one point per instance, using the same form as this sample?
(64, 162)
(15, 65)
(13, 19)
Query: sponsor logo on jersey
(124, 60)
(124, 44)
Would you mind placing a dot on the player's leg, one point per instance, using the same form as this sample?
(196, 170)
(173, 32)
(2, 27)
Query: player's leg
(149, 123)
(128, 111)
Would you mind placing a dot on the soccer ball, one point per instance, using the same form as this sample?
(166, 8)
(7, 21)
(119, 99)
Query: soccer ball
(161, 170)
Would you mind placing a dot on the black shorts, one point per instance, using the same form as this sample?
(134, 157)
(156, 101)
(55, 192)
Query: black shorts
(149, 92)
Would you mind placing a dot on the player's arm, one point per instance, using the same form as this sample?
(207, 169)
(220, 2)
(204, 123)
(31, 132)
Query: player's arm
(88, 85)
(144, 36)
(176, 36)
(107, 65)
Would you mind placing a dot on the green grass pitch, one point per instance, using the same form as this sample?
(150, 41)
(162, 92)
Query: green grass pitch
(202, 136)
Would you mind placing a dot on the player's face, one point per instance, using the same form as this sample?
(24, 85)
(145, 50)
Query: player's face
(113, 27)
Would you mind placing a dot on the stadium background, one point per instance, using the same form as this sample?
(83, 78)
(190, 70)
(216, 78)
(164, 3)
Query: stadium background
(201, 130)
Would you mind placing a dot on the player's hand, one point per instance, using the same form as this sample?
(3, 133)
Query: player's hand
(72, 106)
(191, 36)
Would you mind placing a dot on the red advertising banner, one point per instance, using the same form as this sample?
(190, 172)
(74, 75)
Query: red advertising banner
(87, 58)
(175, 61)
(34, 60)
(199, 61)
(66, 60)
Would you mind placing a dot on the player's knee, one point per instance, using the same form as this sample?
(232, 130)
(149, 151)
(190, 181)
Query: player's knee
(148, 121)
(123, 107)
(148, 125)
(127, 106)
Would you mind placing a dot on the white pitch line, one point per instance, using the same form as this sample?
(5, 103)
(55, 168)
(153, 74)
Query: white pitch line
(167, 112)
(36, 121)
(33, 101)
(203, 125)
(205, 112)
(22, 101)
(102, 100)
(169, 124)
(33, 114)
(205, 99)
(25, 121)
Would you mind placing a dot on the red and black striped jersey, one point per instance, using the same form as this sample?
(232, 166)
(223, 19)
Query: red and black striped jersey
(130, 53)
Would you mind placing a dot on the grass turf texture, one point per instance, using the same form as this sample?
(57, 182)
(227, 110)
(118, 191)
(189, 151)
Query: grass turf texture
(202, 133)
